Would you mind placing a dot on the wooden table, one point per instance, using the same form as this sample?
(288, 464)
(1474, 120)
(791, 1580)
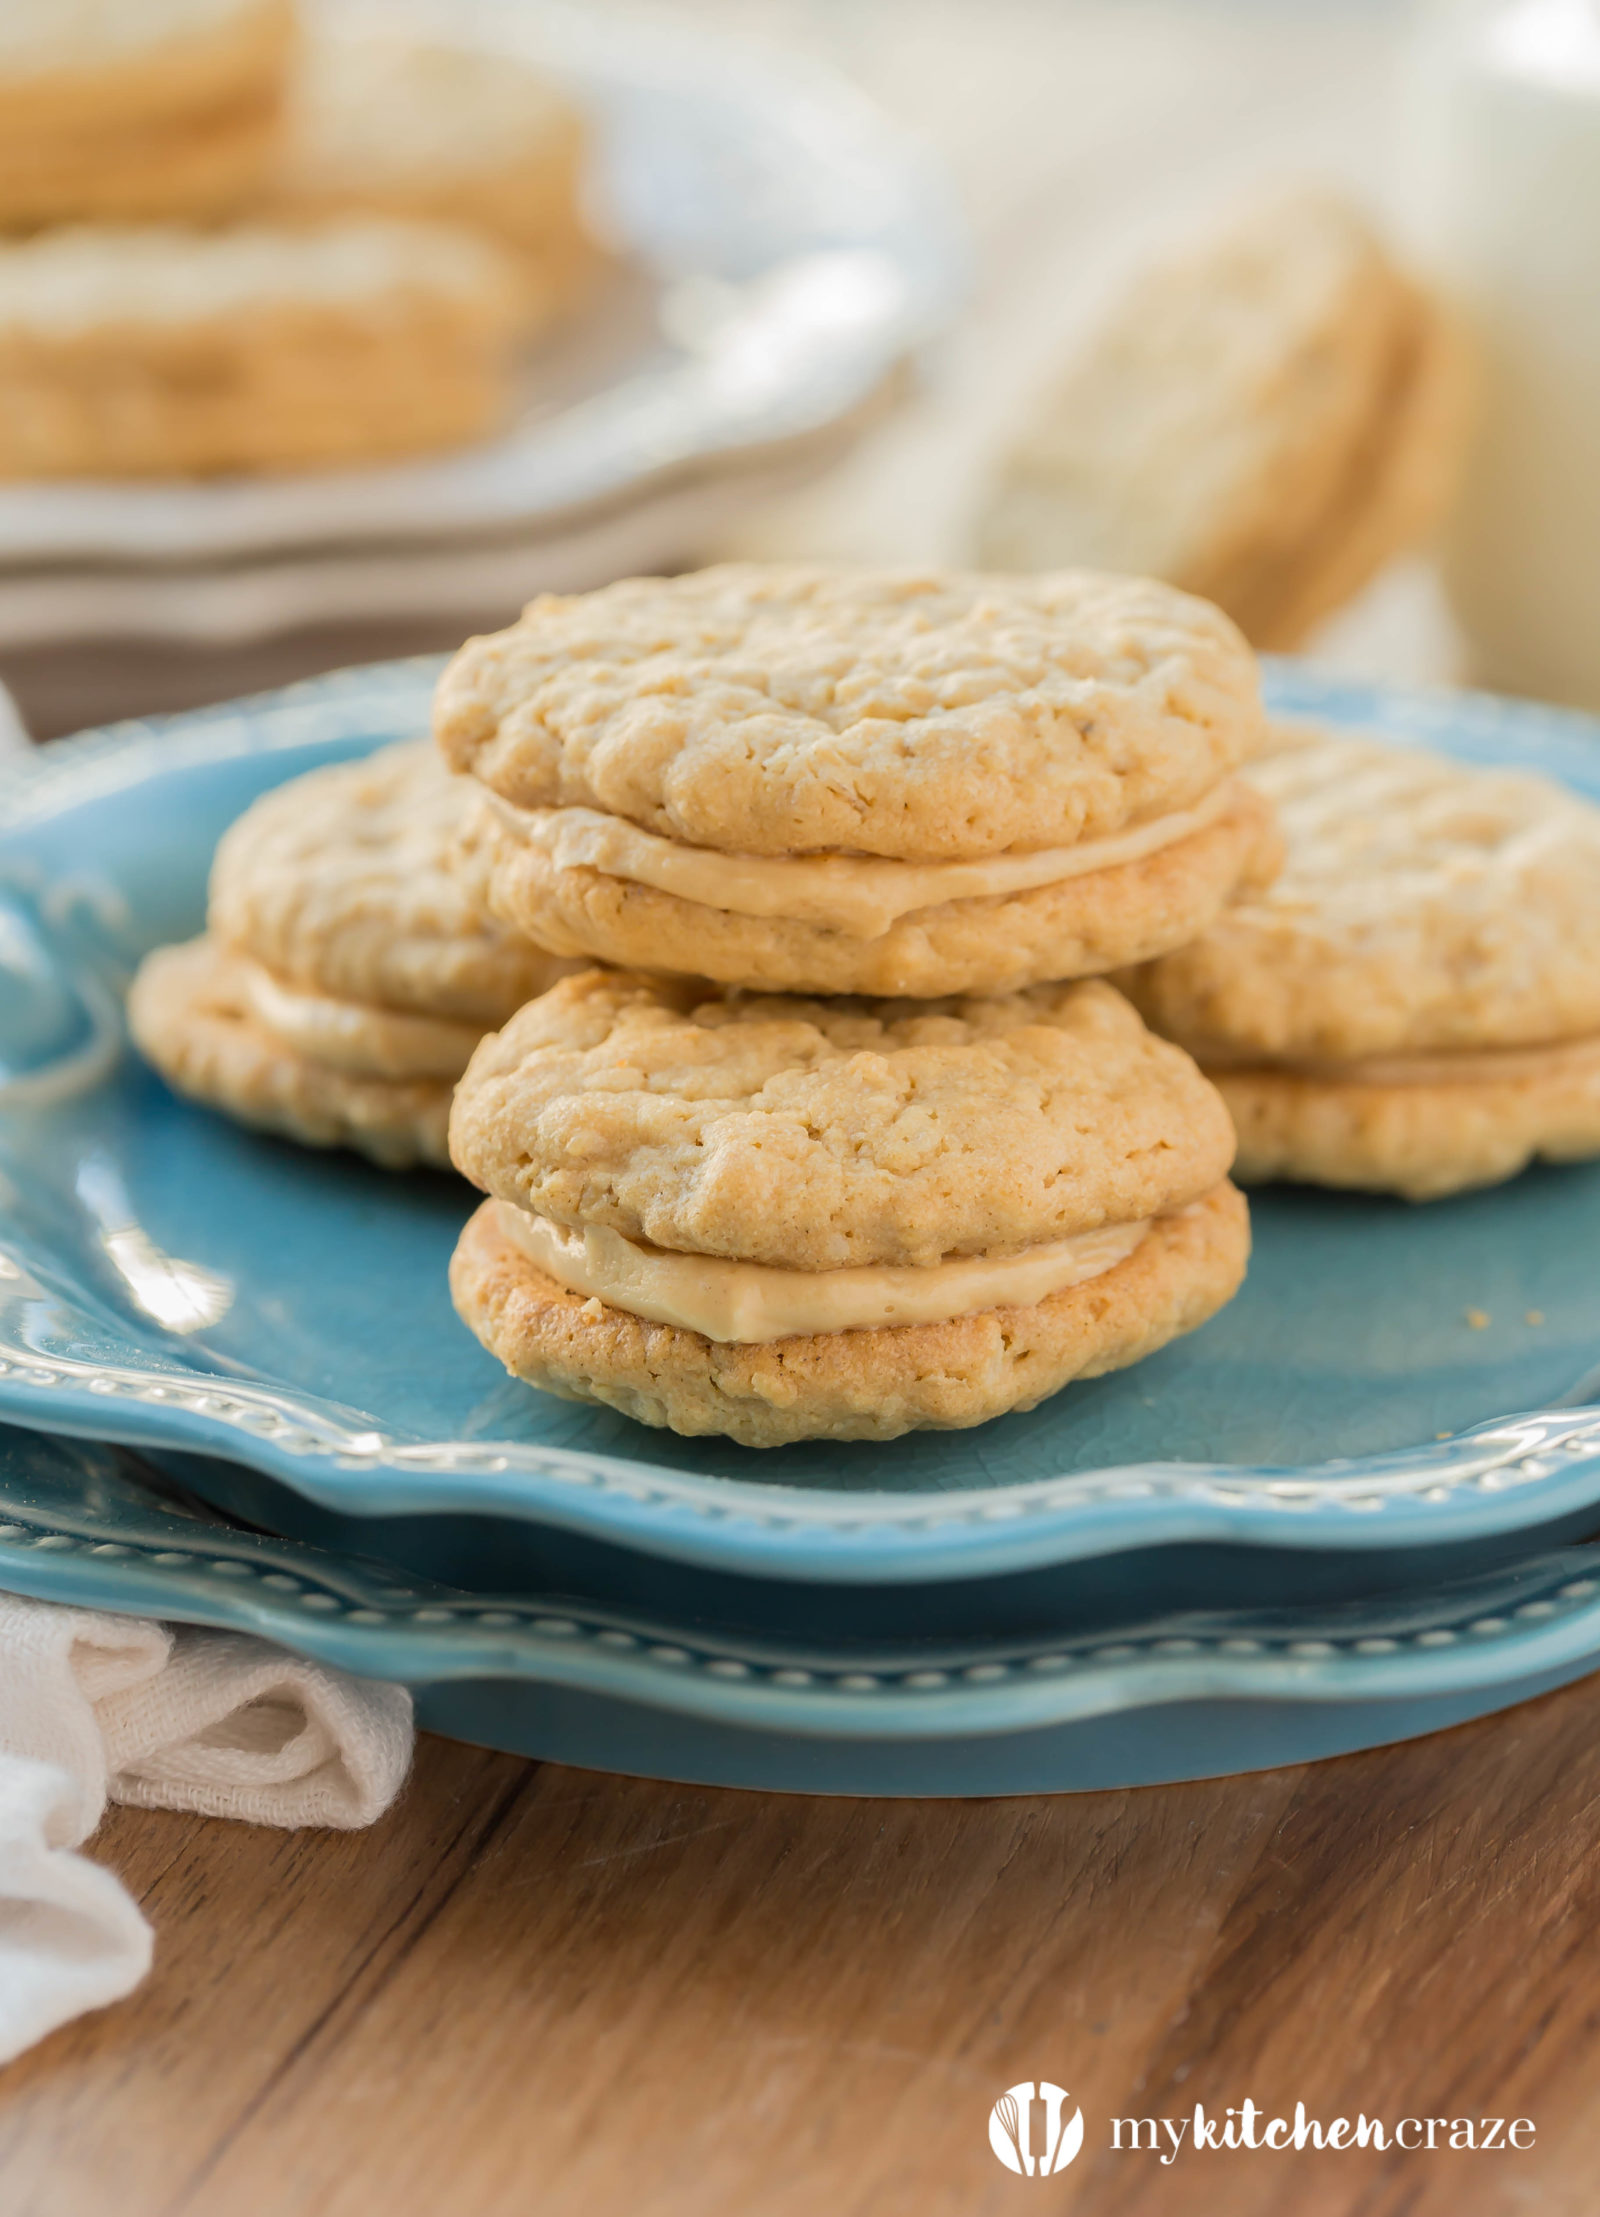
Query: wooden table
(541, 1990)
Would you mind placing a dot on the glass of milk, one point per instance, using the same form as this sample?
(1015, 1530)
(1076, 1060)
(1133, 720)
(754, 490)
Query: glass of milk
(1505, 133)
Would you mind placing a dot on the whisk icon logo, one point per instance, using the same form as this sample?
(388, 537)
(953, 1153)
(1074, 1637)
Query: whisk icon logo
(1015, 2123)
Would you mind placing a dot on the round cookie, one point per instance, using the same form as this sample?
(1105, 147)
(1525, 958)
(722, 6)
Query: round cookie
(700, 1202)
(856, 1385)
(1422, 906)
(349, 880)
(190, 1011)
(137, 109)
(1424, 1141)
(815, 1135)
(1398, 484)
(167, 350)
(1264, 418)
(1414, 1004)
(840, 781)
(349, 970)
(781, 710)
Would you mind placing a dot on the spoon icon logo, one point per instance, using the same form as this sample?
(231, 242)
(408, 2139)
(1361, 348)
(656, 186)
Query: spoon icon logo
(1012, 2123)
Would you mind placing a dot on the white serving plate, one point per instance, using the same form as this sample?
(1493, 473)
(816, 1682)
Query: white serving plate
(782, 246)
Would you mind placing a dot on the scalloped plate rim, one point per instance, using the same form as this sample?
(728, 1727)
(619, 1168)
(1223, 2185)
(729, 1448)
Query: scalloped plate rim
(347, 1612)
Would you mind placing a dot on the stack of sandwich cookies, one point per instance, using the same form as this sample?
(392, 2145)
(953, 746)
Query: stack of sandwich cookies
(818, 781)
(157, 350)
(1414, 1004)
(165, 109)
(784, 1219)
(348, 972)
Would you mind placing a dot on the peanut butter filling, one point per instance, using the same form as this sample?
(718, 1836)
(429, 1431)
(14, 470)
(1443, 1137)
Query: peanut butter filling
(365, 1041)
(860, 895)
(746, 1303)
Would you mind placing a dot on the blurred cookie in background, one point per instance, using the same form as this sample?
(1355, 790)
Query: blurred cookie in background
(133, 109)
(1264, 419)
(397, 126)
(160, 351)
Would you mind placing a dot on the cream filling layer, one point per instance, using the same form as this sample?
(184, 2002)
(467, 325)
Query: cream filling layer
(363, 1041)
(1466, 1066)
(861, 895)
(746, 1303)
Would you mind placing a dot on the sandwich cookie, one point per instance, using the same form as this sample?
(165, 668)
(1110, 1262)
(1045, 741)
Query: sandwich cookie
(162, 351)
(348, 971)
(1264, 419)
(137, 109)
(783, 1219)
(1414, 1005)
(834, 781)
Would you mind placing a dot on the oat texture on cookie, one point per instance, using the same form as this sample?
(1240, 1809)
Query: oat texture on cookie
(815, 1135)
(191, 1015)
(347, 881)
(851, 1385)
(1427, 1137)
(784, 1219)
(1423, 905)
(349, 970)
(787, 710)
(835, 781)
(1413, 1006)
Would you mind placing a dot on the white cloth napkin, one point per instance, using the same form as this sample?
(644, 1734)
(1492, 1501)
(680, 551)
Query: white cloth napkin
(96, 1708)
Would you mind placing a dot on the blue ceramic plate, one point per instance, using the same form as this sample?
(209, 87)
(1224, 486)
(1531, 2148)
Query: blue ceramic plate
(1186, 1696)
(168, 1279)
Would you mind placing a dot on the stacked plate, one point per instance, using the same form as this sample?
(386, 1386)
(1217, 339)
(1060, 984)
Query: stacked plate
(1351, 1509)
(780, 247)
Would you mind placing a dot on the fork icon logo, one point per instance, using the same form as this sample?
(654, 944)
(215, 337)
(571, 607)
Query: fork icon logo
(1015, 2122)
